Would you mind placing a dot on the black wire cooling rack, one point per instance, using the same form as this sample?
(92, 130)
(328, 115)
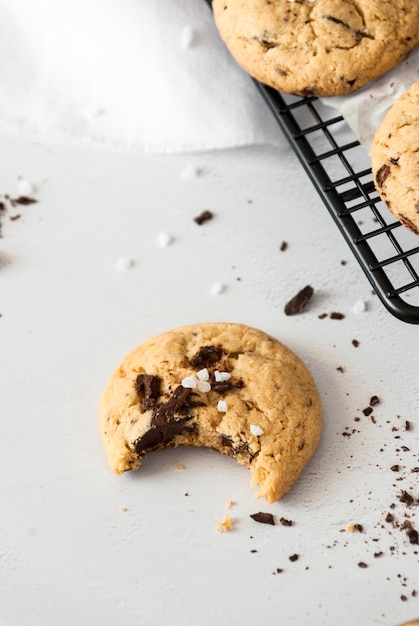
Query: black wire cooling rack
(339, 168)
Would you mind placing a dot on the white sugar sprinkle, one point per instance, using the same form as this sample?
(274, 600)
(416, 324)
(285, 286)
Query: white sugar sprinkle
(203, 386)
(187, 37)
(359, 306)
(164, 239)
(125, 264)
(203, 374)
(25, 188)
(222, 377)
(190, 172)
(222, 406)
(217, 289)
(256, 430)
(189, 382)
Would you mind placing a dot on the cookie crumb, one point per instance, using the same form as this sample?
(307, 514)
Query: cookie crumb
(225, 525)
(123, 509)
(178, 465)
(263, 518)
(351, 528)
(203, 217)
(298, 303)
(229, 504)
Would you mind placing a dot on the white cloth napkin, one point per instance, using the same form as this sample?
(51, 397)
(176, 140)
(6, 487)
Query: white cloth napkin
(141, 74)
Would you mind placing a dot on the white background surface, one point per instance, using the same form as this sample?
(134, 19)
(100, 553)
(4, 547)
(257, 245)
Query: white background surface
(68, 553)
(78, 545)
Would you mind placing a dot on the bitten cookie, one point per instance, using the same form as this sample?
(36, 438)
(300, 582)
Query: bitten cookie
(224, 386)
(318, 47)
(395, 159)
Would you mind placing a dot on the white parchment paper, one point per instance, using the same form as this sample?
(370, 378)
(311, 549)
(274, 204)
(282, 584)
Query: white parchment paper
(365, 109)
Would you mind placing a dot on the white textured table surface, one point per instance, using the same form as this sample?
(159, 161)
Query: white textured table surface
(79, 545)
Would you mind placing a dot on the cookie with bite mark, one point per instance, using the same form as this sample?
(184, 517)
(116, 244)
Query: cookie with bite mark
(224, 386)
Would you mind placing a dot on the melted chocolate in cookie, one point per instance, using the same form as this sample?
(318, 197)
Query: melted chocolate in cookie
(166, 421)
(148, 386)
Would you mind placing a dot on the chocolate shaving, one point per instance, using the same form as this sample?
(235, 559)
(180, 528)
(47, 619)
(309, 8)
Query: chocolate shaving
(413, 536)
(335, 315)
(203, 217)
(406, 498)
(263, 518)
(298, 303)
(206, 356)
(24, 200)
(285, 522)
(293, 558)
(148, 386)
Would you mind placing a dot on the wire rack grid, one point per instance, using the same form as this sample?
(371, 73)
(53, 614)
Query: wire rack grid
(339, 168)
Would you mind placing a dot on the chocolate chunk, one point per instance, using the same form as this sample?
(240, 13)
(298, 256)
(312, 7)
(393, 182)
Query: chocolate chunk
(203, 217)
(298, 303)
(263, 518)
(367, 411)
(293, 558)
(221, 386)
(382, 174)
(166, 421)
(358, 34)
(165, 413)
(148, 386)
(206, 356)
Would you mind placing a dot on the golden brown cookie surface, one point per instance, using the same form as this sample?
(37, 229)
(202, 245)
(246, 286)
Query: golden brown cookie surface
(318, 47)
(395, 159)
(223, 386)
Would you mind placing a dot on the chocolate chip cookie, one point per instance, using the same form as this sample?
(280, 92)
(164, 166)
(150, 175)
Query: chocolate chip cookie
(395, 159)
(318, 47)
(224, 386)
